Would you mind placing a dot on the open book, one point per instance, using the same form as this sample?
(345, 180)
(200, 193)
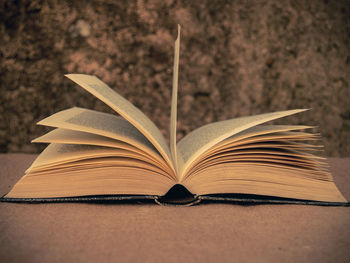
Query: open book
(98, 156)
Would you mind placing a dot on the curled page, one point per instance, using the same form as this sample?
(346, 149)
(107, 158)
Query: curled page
(104, 124)
(122, 106)
(174, 100)
(202, 139)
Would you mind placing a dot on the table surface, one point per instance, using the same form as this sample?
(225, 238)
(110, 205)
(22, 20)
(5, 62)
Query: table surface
(76, 232)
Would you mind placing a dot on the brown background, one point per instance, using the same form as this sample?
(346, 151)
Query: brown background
(237, 58)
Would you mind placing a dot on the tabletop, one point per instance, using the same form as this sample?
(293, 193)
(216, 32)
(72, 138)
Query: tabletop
(145, 232)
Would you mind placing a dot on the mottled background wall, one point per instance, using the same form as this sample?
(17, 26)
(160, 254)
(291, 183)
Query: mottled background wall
(237, 58)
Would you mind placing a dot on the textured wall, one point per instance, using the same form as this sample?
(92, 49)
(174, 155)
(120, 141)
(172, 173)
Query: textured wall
(237, 58)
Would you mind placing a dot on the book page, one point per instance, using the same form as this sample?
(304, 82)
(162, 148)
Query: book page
(202, 139)
(57, 153)
(125, 177)
(260, 179)
(122, 106)
(173, 115)
(64, 136)
(260, 130)
(260, 133)
(99, 123)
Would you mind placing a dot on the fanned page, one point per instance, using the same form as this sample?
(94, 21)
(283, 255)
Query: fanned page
(104, 124)
(99, 124)
(65, 170)
(131, 113)
(57, 154)
(202, 139)
(252, 133)
(268, 160)
(64, 136)
(174, 100)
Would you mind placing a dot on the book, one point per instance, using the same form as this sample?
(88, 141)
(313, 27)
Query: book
(95, 156)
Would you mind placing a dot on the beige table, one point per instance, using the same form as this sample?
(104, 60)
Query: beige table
(80, 232)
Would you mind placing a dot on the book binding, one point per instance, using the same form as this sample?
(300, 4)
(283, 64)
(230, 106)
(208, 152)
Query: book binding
(161, 200)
